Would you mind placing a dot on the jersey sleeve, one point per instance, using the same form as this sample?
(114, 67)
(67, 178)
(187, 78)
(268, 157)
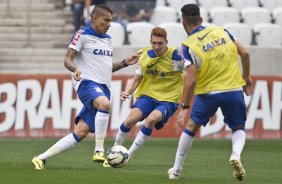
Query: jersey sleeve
(138, 70)
(187, 56)
(230, 35)
(177, 60)
(77, 41)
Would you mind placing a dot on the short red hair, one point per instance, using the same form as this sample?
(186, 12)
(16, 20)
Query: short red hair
(158, 31)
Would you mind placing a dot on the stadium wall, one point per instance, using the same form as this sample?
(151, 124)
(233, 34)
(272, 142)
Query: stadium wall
(45, 106)
(264, 60)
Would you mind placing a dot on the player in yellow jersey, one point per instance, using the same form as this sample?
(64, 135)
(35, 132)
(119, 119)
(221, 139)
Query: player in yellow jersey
(159, 82)
(214, 77)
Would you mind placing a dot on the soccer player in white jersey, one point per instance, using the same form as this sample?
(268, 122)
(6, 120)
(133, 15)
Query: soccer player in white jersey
(89, 58)
(214, 76)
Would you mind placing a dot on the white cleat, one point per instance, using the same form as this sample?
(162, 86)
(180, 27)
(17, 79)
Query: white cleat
(173, 175)
(238, 169)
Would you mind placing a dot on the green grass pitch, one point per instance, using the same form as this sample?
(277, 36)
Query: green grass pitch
(207, 162)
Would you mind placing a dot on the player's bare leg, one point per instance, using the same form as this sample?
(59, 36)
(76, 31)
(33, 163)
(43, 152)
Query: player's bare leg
(64, 144)
(134, 116)
(145, 132)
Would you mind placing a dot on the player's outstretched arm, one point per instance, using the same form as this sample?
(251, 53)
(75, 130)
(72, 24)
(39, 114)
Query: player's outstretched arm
(187, 94)
(68, 62)
(245, 60)
(132, 87)
(126, 62)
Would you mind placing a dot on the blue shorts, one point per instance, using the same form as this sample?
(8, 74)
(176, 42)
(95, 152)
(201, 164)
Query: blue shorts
(232, 105)
(147, 104)
(87, 92)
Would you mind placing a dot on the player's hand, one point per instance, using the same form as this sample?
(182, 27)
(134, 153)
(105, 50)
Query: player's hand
(76, 75)
(124, 95)
(180, 118)
(248, 88)
(133, 59)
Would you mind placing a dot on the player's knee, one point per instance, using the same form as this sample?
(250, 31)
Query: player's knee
(191, 126)
(159, 125)
(105, 106)
(80, 134)
(152, 120)
(81, 129)
(102, 103)
(129, 123)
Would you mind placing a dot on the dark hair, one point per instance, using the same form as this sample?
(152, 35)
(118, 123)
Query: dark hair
(158, 31)
(100, 9)
(191, 13)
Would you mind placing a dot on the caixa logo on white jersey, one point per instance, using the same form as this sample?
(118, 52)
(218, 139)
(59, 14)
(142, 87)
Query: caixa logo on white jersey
(102, 52)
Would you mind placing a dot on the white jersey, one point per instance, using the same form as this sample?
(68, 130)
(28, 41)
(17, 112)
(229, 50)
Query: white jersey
(95, 56)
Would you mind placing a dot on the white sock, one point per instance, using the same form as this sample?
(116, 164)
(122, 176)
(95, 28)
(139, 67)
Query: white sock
(101, 125)
(120, 137)
(184, 145)
(138, 142)
(122, 134)
(62, 145)
(238, 142)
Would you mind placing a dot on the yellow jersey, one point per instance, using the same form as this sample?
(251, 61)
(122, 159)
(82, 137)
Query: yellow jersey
(160, 80)
(219, 69)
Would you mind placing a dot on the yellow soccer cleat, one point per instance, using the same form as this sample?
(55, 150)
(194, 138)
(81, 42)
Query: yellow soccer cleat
(238, 169)
(106, 164)
(99, 156)
(38, 164)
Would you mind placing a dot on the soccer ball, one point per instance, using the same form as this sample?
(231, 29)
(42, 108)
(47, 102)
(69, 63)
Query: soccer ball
(117, 156)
